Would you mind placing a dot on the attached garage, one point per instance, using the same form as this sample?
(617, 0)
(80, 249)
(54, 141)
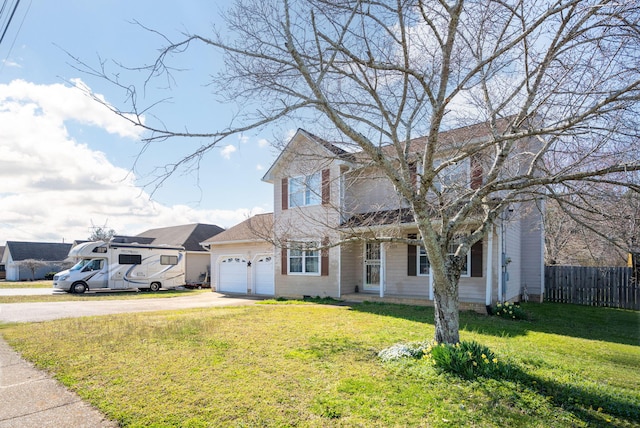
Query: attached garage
(232, 274)
(263, 274)
(242, 260)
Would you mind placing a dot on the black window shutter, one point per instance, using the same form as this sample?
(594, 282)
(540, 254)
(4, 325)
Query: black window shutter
(412, 265)
(284, 262)
(324, 258)
(285, 193)
(476, 259)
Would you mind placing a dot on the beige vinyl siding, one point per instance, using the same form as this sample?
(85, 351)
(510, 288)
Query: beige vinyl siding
(366, 191)
(293, 285)
(351, 267)
(398, 282)
(532, 250)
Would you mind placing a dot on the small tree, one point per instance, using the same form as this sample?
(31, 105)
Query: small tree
(101, 233)
(33, 265)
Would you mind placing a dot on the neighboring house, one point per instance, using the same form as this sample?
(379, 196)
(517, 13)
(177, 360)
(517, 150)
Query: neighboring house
(3, 272)
(189, 236)
(52, 254)
(324, 195)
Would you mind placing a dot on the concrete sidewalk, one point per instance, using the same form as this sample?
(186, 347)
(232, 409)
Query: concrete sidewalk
(29, 398)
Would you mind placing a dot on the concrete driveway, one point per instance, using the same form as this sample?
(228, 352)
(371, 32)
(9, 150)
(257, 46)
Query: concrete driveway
(46, 311)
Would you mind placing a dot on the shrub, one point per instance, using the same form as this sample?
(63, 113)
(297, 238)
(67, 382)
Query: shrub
(50, 276)
(465, 359)
(509, 311)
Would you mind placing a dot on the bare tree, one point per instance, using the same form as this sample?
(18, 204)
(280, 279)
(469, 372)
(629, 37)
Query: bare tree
(33, 265)
(601, 236)
(557, 84)
(101, 233)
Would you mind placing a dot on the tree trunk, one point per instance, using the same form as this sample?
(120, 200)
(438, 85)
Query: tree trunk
(447, 317)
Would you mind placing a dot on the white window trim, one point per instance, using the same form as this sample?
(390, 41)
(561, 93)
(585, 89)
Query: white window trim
(419, 254)
(314, 195)
(319, 257)
(419, 250)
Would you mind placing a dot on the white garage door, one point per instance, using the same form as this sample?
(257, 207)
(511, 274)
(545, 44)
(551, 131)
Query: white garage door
(233, 275)
(264, 275)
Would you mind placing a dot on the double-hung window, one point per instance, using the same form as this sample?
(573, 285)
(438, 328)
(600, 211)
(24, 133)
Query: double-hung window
(304, 258)
(423, 261)
(305, 190)
(455, 176)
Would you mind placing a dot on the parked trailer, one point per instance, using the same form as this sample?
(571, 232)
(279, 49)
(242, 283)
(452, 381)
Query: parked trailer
(120, 266)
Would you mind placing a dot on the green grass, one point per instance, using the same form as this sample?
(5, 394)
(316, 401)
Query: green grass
(116, 295)
(26, 284)
(315, 365)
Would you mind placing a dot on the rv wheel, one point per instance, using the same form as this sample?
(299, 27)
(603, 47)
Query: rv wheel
(79, 287)
(155, 286)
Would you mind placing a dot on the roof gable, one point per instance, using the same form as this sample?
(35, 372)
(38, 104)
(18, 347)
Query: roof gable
(331, 150)
(46, 251)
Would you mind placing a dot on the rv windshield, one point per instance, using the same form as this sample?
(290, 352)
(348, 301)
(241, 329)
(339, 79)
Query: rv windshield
(80, 264)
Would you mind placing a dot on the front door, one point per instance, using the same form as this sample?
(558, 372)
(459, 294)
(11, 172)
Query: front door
(372, 266)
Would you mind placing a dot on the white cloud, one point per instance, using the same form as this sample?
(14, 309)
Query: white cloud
(259, 167)
(11, 63)
(54, 188)
(262, 143)
(243, 138)
(227, 151)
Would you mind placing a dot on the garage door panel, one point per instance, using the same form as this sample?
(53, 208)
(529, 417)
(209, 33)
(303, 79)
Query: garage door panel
(233, 275)
(264, 278)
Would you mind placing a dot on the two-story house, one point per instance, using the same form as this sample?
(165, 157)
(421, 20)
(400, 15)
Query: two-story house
(337, 230)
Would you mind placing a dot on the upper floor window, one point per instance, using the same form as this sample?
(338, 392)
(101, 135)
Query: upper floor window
(456, 176)
(305, 190)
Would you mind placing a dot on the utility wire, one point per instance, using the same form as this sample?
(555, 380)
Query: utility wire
(3, 63)
(6, 27)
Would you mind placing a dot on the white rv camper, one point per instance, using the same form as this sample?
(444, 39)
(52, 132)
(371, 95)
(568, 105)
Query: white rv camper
(120, 266)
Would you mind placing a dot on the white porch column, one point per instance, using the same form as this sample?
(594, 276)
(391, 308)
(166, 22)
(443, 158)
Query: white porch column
(489, 252)
(383, 268)
(430, 283)
(500, 260)
(339, 251)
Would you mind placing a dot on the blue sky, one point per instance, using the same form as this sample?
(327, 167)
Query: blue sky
(67, 163)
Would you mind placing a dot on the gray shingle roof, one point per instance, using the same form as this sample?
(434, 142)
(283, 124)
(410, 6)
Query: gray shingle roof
(187, 235)
(46, 251)
(256, 228)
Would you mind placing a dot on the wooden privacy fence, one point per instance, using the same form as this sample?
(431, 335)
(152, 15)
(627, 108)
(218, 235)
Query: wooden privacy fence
(614, 287)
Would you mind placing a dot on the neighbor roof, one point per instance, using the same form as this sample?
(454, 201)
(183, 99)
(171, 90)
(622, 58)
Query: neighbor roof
(188, 235)
(256, 228)
(46, 251)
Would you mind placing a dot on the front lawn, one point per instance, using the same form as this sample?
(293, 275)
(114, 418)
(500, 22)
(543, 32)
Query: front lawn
(101, 295)
(317, 365)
